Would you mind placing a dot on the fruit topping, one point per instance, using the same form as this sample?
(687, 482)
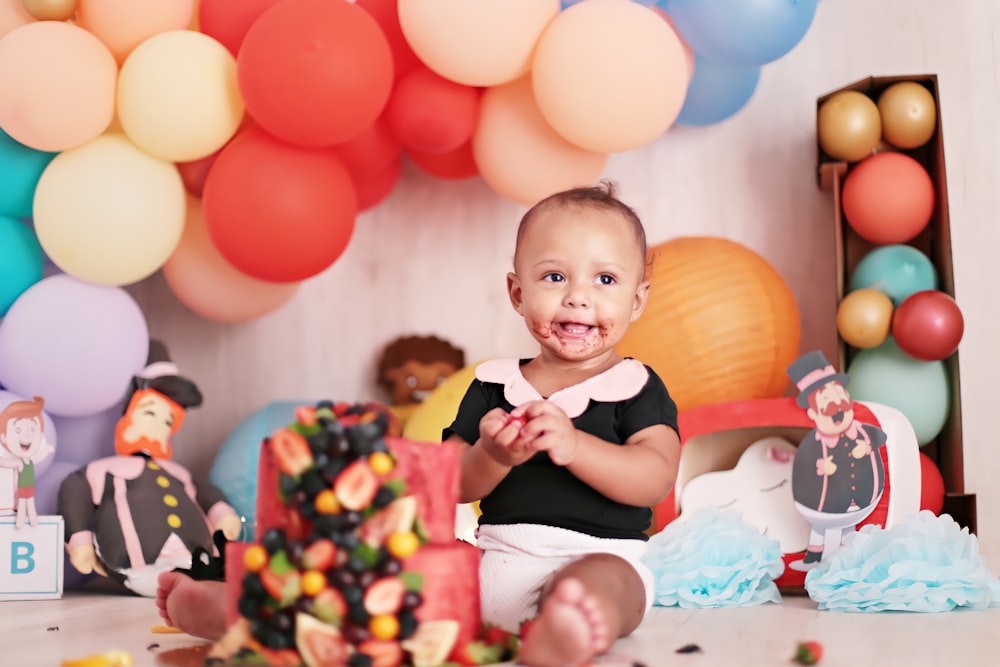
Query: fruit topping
(291, 451)
(432, 643)
(320, 644)
(356, 485)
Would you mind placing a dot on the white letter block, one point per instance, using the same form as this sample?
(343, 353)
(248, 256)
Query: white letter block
(31, 559)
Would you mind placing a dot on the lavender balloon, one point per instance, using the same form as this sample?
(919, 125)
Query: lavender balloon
(74, 343)
(88, 438)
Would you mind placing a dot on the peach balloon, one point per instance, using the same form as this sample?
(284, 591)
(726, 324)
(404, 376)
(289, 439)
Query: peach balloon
(609, 75)
(178, 99)
(13, 15)
(109, 213)
(519, 155)
(209, 285)
(688, 51)
(124, 24)
(864, 318)
(482, 43)
(50, 10)
(57, 85)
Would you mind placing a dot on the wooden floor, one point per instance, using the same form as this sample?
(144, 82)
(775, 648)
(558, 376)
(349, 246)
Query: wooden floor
(43, 633)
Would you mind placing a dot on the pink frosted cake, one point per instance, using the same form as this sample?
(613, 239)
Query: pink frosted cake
(356, 562)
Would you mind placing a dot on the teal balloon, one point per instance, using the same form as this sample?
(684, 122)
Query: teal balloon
(717, 91)
(234, 470)
(20, 169)
(21, 260)
(895, 270)
(919, 389)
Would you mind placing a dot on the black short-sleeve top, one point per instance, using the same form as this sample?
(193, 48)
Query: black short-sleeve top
(613, 405)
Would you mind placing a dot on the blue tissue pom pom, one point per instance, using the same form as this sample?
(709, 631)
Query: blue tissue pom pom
(713, 559)
(926, 563)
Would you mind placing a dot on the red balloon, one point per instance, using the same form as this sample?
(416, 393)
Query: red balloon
(370, 151)
(454, 165)
(431, 114)
(372, 189)
(928, 325)
(194, 173)
(315, 72)
(888, 198)
(931, 486)
(385, 12)
(228, 20)
(276, 211)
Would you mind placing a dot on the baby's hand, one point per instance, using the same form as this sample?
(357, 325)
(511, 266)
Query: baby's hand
(500, 436)
(549, 429)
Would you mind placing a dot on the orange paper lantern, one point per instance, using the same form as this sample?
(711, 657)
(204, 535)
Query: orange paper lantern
(721, 323)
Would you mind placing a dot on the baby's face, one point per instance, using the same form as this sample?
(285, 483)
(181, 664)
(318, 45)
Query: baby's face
(577, 281)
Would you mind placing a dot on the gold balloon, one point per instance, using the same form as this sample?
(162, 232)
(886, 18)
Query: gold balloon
(909, 115)
(864, 318)
(849, 126)
(50, 10)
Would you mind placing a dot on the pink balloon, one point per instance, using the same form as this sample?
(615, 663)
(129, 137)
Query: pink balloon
(928, 325)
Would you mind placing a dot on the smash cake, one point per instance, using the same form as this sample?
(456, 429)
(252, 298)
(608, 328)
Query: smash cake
(357, 563)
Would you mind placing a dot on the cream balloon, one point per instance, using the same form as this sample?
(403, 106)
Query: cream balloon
(57, 85)
(610, 75)
(124, 24)
(519, 155)
(108, 212)
(178, 98)
(482, 43)
(209, 285)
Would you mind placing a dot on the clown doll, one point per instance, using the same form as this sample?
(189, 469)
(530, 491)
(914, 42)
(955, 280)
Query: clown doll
(22, 433)
(837, 474)
(137, 514)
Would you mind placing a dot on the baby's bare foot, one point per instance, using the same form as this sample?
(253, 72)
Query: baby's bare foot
(570, 629)
(195, 607)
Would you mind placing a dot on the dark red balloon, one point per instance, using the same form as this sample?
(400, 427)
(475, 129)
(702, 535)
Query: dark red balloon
(931, 486)
(928, 325)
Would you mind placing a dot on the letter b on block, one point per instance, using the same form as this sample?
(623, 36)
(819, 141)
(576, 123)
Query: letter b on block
(22, 560)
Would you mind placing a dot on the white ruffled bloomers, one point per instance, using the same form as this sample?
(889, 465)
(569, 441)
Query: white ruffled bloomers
(927, 563)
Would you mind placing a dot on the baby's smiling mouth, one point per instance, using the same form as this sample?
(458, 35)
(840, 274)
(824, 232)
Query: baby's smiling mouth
(573, 329)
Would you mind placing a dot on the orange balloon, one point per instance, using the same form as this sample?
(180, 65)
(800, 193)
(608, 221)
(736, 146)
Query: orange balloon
(721, 323)
(209, 285)
(888, 198)
(864, 318)
(848, 126)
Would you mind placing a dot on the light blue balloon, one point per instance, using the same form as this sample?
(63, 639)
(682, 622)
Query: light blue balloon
(742, 32)
(21, 260)
(895, 270)
(20, 169)
(919, 389)
(717, 92)
(234, 470)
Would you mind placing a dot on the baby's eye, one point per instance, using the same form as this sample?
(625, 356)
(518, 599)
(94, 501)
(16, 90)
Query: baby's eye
(606, 279)
(553, 277)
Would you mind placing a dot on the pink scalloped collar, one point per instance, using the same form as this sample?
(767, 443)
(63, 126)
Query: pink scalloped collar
(622, 381)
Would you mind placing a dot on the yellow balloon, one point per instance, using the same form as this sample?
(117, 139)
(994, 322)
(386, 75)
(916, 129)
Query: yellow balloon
(519, 155)
(849, 126)
(482, 43)
(864, 318)
(108, 212)
(439, 409)
(909, 114)
(609, 75)
(178, 98)
(205, 282)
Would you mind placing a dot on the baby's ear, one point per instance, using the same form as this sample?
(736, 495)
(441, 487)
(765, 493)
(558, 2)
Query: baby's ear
(641, 299)
(514, 291)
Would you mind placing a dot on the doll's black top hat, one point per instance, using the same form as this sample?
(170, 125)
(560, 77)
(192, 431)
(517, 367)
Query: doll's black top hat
(810, 372)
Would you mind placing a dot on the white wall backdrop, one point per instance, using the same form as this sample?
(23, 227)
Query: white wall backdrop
(432, 258)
